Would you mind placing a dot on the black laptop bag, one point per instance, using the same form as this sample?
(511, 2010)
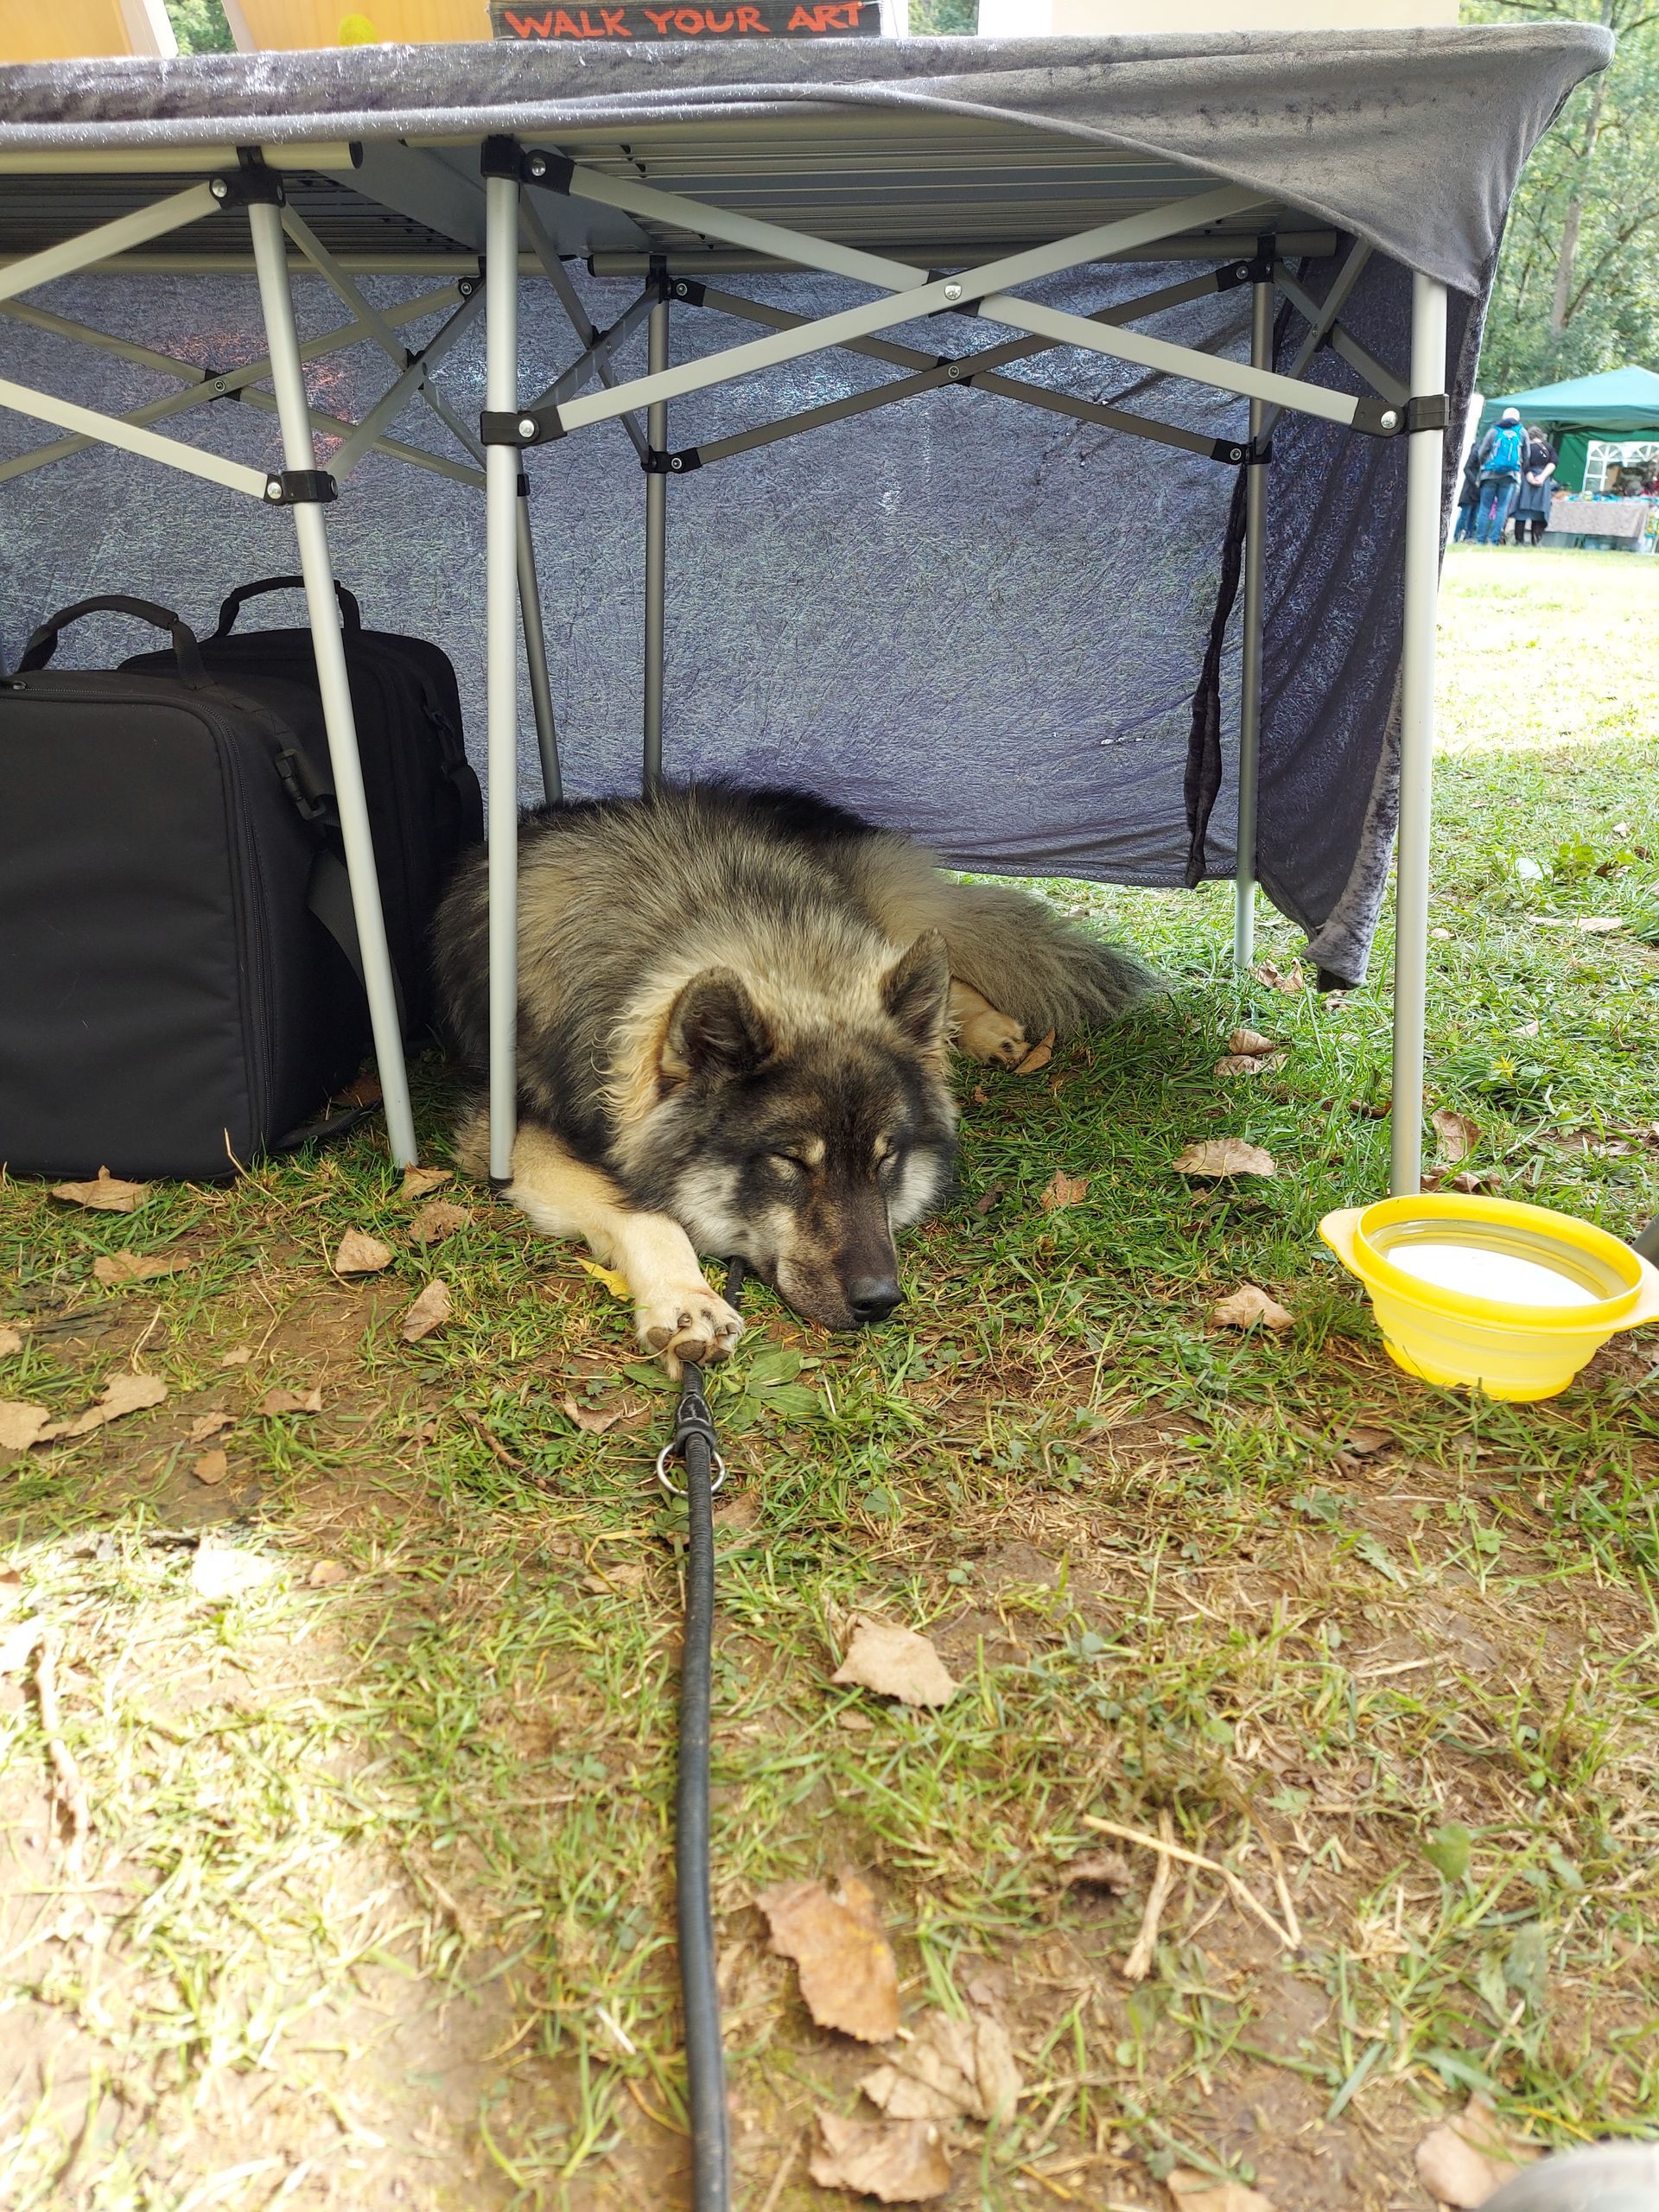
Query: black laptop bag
(171, 1004)
(424, 803)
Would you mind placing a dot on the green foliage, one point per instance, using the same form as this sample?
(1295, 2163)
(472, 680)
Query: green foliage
(1578, 282)
(199, 26)
(943, 18)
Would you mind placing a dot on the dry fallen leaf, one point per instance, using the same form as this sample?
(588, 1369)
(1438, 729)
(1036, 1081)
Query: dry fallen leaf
(238, 1357)
(22, 1423)
(290, 1401)
(590, 1418)
(361, 1255)
(895, 1662)
(220, 1570)
(1252, 1042)
(113, 1268)
(1248, 1062)
(211, 1468)
(1290, 980)
(1366, 1440)
(626, 1580)
(1099, 1870)
(1062, 1190)
(326, 1572)
(1468, 2158)
(1219, 1156)
(1592, 925)
(430, 1311)
(432, 1224)
(421, 1182)
(1457, 1134)
(11, 1340)
(1037, 1057)
(616, 1283)
(1195, 2192)
(847, 1976)
(362, 1090)
(1466, 1179)
(1249, 1304)
(122, 1394)
(207, 1425)
(949, 2068)
(900, 2161)
(106, 1193)
(18, 1645)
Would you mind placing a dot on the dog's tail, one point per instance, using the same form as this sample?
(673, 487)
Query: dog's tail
(1035, 968)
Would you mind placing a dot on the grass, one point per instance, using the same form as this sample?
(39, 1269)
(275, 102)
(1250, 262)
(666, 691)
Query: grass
(376, 1905)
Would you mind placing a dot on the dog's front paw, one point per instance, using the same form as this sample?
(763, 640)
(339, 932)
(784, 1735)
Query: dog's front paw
(991, 1036)
(687, 1323)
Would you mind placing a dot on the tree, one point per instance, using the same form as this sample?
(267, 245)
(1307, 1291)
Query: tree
(199, 26)
(1578, 281)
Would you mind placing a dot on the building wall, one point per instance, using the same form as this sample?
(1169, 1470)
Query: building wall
(1038, 18)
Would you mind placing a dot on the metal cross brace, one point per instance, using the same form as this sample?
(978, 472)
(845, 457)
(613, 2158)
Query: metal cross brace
(913, 293)
(410, 383)
(598, 343)
(936, 372)
(206, 386)
(1322, 320)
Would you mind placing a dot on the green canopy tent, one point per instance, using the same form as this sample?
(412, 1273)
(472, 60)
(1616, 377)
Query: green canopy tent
(1617, 403)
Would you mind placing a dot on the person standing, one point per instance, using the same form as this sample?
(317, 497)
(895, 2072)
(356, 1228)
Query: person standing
(1468, 497)
(1538, 488)
(1502, 454)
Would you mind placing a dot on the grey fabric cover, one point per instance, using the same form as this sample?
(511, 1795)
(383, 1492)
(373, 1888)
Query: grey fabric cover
(967, 619)
(1412, 139)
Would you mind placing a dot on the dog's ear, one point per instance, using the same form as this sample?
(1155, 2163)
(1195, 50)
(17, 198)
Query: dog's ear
(916, 992)
(715, 1028)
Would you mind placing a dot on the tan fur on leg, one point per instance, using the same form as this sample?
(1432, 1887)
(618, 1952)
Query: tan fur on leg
(677, 1313)
(978, 1029)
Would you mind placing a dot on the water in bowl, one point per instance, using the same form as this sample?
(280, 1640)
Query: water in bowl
(1517, 1267)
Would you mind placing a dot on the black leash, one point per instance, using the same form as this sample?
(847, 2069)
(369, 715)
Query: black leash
(696, 1446)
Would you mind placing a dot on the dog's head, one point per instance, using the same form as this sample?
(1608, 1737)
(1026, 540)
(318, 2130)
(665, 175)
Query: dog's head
(803, 1158)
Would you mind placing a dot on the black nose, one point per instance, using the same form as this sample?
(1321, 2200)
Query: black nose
(872, 1298)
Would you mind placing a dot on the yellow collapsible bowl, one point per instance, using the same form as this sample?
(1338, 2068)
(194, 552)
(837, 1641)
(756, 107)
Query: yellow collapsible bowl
(1509, 1299)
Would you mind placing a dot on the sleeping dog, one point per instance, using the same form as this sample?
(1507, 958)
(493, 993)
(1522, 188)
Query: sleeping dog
(736, 1012)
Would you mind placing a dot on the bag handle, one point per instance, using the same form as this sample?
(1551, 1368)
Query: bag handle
(350, 614)
(43, 643)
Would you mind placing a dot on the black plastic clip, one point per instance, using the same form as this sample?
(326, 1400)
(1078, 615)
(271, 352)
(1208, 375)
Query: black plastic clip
(692, 1418)
(688, 290)
(656, 275)
(524, 426)
(1428, 411)
(299, 487)
(1380, 418)
(293, 773)
(467, 285)
(1259, 453)
(504, 156)
(1230, 451)
(253, 186)
(524, 485)
(1258, 270)
(670, 464)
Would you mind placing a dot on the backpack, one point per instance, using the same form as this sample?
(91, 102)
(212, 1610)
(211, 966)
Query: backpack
(1509, 451)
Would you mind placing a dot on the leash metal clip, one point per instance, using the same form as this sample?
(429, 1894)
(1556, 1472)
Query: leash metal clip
(692, 1419)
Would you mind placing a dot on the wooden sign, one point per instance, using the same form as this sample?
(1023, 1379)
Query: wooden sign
(513, 19)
